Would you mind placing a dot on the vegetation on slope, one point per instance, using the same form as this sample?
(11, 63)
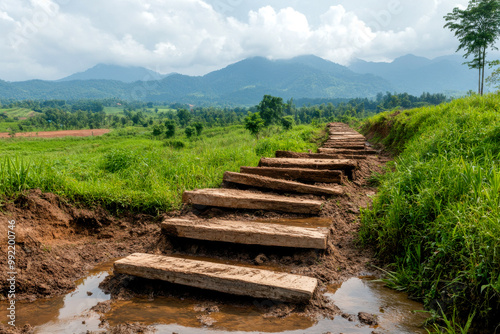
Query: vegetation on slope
(131, 169)
(437, 214)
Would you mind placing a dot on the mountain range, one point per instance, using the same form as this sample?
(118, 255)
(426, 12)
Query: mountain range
(245, 82)
(416, 75)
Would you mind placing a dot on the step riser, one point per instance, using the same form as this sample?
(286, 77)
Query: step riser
(296, 155)
(306, 175)
(346, 152)
(308, 163)
(276, 184)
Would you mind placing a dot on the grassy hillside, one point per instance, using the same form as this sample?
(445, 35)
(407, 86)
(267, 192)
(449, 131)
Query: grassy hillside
(17, 112)
(128, 169)
(437, 214)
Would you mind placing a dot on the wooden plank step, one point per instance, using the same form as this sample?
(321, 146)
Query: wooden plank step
(346, 134)
(224, 278)
(345, 146)
(346, 141)
(300, 155)
(277, 184)
(347, 152)
(301, 174)
(341, 164)
(346, 137)
(240, 199)
(248, 233)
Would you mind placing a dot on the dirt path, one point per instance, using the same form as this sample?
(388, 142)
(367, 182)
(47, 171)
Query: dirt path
(57, 243)
(57, 134)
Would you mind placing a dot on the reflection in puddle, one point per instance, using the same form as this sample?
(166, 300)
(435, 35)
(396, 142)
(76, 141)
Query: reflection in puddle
(172, 311)
(65, 314)
(394, 310)
(71, 313)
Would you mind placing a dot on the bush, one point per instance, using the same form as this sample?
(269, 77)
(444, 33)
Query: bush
(189, 131)
(170, 128)
(288, 122)
(177, 144)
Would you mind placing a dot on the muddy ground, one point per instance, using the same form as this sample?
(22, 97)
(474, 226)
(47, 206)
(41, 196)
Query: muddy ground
(57, 243)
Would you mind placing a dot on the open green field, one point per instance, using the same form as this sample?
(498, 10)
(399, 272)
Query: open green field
(17, 112)
(129, 169)
(437, 215)
(11, 113)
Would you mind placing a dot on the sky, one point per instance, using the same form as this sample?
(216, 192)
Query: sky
(51, 39)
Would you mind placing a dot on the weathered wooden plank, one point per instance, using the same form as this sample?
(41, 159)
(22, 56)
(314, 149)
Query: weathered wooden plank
(343, 164)
(278, 184)
(302, 174)
(345, 146)
(240, 199)
(300, 155)
(248, 233)
(345, 142)
(224, 278)
(346, 134)
(324, 150)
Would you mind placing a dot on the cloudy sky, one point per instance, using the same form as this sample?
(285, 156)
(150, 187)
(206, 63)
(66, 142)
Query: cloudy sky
(50, 39)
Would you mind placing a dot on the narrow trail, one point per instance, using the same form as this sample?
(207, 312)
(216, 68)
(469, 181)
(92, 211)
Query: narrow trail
(274, 239)
(301, 187)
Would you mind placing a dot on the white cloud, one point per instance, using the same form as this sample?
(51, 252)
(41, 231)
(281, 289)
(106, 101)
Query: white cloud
(52, 38)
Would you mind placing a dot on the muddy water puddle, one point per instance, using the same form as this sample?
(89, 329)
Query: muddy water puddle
(65, 314)
(72, 314)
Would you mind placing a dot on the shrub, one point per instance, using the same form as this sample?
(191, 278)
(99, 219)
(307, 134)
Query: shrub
(177, 144)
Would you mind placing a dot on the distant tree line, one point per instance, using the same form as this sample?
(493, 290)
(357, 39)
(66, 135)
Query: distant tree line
(166, 118)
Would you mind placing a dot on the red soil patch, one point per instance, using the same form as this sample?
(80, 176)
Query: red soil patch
(55, 134)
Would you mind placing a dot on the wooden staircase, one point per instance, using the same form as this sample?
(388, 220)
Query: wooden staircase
(274, 179)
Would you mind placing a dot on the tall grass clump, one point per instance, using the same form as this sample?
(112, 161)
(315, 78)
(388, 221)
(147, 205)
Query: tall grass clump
(436, 217)
(298, 139)
(130, 170)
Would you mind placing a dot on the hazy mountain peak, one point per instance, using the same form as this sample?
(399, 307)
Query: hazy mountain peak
(115, 72)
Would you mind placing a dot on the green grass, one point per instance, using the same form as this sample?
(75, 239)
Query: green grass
(436, 217)
(17, 112)
(129, 169)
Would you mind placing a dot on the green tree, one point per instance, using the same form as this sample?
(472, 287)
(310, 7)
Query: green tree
(494, 78)
(271, 109)
(254, 123)
(477, 28)
(199, 128)
(184, 116)
(170, 128)
(189, 131)
(157, 129)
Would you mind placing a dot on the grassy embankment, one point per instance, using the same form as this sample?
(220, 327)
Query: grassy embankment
(129, 169)
(437, 214)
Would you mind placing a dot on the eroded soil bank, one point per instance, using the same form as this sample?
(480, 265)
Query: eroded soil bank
(57, 243)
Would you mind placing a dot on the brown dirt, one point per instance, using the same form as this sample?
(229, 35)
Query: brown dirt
(58, 243)
(57, 134)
